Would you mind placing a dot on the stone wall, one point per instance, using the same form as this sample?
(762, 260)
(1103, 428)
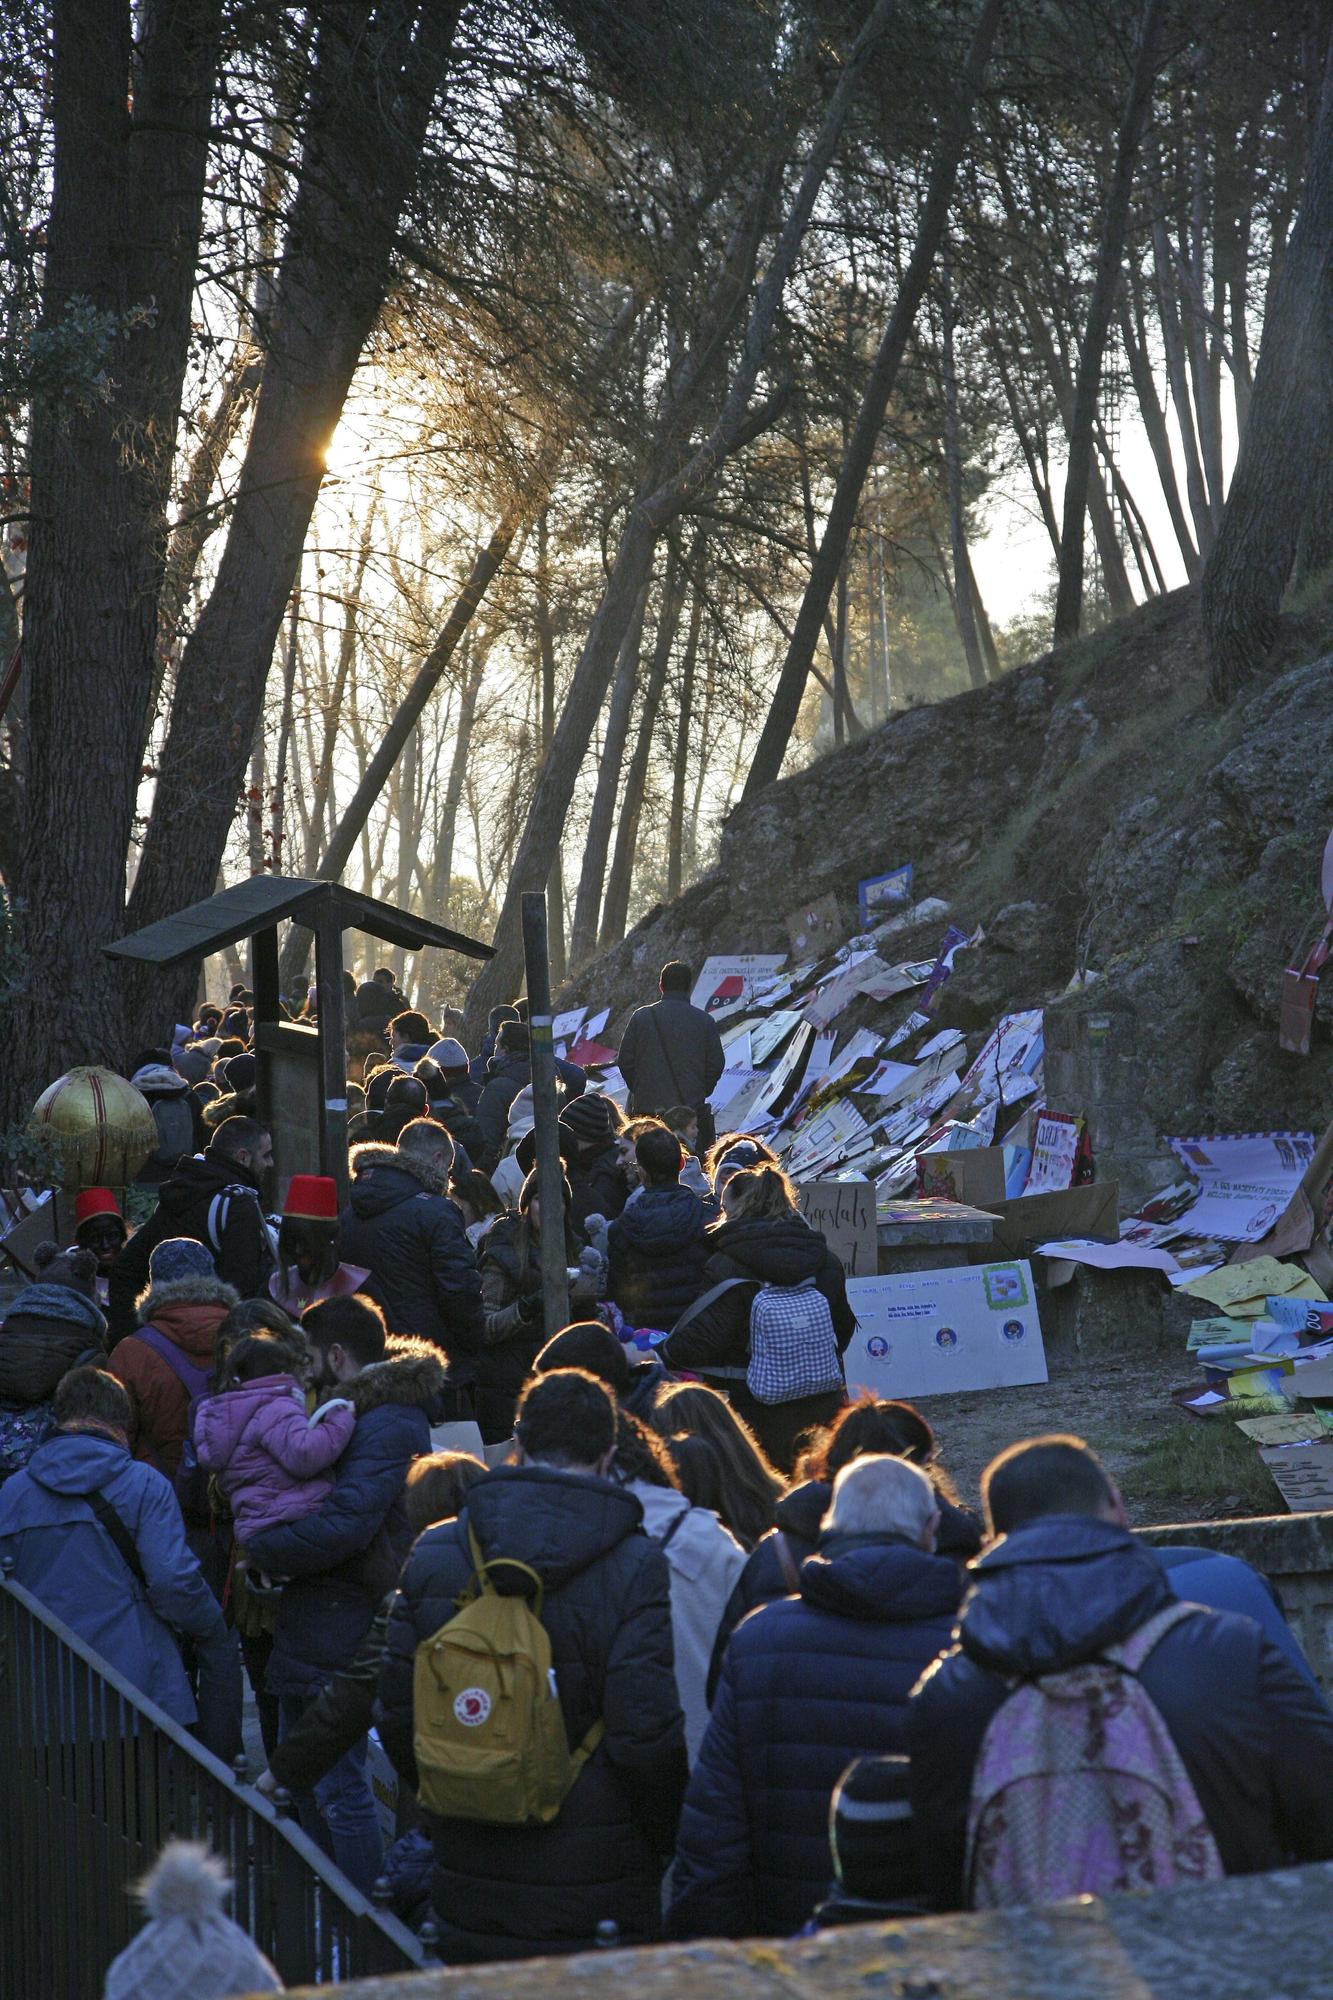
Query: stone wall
(1295, 1553)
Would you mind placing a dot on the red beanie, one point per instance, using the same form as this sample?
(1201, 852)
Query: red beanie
(312, 1198)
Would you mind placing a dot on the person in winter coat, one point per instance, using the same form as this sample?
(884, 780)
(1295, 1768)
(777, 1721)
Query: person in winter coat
(216, 1199)
(1225, 1583)
(338, 1718)
(511, 1291)
(98, 1538)
(656, 1245)
(448, 1106)
(1068, 1580)
(495, 1020)
(865, 1426)
(100, 1227)
(762, 1239)
(51, 1327)
(176, 1114)
(273, 1462)
(728, 1471)
(516, 1891)
(508, 1174)
(166, 1365)
(507, 1072)
(410, 1035)
(587, 1343)
(807, 1685)
(341, 1559)
(401, 1226)
(683, 1120)
(671, 1052)
(592, 1160)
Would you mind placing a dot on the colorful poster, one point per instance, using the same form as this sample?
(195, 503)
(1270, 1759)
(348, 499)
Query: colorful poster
(881, 896)
(1246, 1181)
(725, 985)
(932, 1333)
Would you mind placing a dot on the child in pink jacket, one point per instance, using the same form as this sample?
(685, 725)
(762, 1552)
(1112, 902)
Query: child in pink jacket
(272, 1461)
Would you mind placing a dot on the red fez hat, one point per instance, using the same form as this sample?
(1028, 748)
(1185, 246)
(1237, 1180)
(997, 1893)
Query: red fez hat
(312, 1198)
(95, 1201)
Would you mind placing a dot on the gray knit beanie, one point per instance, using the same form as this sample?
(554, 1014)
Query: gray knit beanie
(189, 1949)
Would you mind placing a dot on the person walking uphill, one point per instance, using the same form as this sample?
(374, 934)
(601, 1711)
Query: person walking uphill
(167, 1364)
(514, 1891)
(214, 1197)
(671, 1053)
(656, 1245)
(773, 1321)
(1250, 1739)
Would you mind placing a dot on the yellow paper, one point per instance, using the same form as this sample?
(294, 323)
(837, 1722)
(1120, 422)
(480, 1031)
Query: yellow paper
(1281, 1430)
(1241, 1289)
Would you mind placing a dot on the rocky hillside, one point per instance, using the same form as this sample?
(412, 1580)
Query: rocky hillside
(1090, 810)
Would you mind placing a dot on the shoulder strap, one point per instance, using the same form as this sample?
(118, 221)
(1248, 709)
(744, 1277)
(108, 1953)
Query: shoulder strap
(707, 1298)
(119, 1534)
(1132, 1652)
(662, 1540)
(791, 1575)
(192, 1378)
(666, 1054)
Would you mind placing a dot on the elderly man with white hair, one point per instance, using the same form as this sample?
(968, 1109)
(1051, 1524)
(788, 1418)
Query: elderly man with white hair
(809, 1683)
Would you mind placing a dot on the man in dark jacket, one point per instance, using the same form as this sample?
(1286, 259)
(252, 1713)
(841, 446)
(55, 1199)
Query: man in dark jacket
(1066, 1581)
(339, 1561)
(401, 1226)
(215, 1198)
(656, 1245)
(512, 1892)
(809, 1684)
(495, 1020)
(671, 1052)
(507, 1072)
(593, 1166)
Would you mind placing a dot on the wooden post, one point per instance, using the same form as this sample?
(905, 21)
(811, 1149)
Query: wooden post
(265, 961)
(550, 1172)
(332, 1043)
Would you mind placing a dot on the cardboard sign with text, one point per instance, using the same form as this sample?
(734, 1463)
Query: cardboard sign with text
(844, 1214)
(927, 1333)
(1303, 1475)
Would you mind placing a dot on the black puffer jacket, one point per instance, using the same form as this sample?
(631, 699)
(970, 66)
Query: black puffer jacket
(597, 1186)
(217, 1202)
(505, 1077)
(401, 1226)
(48, 1330)
(779, 1250)
(657, 1254)
(510, 1892)
(799, 1514)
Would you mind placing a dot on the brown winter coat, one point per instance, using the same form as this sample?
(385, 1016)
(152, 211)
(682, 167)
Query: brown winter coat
(189, 1312)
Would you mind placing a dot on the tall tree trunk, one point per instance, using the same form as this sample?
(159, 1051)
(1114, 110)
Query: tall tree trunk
(555, 881)
(1078, 474)
(1173, 351)
(597, 840)
(981, 617)
(964, 609)
(279, 816)
(377, 70)
(123, 231)
(949, 149)
(660, 499)
(1133, 338)
(443, 873)
(615, 910)
(681, 760)
(1278, 467)
(333, 707)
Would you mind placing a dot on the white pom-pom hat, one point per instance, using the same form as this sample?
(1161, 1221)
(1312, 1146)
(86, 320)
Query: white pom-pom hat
(189, 1949)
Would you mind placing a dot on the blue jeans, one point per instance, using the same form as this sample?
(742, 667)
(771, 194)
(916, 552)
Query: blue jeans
(344, 1804)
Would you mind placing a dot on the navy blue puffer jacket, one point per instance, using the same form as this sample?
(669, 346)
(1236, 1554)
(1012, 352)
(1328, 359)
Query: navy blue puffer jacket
(401, 1227)
(657, 1253)
(808, 1684)
(506, 1891)
(1253, 1734)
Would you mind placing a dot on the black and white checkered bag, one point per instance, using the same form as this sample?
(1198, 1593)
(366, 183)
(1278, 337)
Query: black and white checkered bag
(793, 1352)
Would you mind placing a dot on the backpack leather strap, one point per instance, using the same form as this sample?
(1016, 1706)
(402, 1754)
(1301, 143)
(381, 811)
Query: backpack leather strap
(120, 1535)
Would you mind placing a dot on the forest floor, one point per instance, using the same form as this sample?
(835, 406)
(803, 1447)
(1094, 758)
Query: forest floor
(1169, 1466)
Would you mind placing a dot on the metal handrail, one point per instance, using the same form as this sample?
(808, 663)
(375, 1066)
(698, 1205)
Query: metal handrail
(96, 1778)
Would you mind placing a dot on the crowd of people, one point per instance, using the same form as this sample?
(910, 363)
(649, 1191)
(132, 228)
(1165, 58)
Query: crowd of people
(638, 1611)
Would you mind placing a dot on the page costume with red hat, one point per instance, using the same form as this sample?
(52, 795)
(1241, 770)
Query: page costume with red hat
(308, 1267)
(100, 1227)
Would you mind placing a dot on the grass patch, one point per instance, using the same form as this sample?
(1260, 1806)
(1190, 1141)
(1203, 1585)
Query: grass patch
(1209, 1469)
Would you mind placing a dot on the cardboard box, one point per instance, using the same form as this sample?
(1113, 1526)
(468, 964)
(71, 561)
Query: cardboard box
(1084, 1213)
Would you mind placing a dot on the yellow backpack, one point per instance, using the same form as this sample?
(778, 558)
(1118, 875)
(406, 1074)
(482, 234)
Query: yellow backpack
(488, 1728)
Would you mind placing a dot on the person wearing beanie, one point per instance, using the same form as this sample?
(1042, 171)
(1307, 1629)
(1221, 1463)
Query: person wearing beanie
(596, 1177)
(308, 1248)
(166, 1366)
(511, 1294)
(100, 1227)
(451, 1111)
(174, 1113)
(98, 1539)
(189, 1949)
(51, 1326)
(509, 1173)
(450, 1058)
(507, 1072)
(214, 1198)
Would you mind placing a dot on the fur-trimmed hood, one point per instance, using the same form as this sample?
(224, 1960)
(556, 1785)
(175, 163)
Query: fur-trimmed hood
(412, 1373)
(199, 1291)
(382, 1177)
